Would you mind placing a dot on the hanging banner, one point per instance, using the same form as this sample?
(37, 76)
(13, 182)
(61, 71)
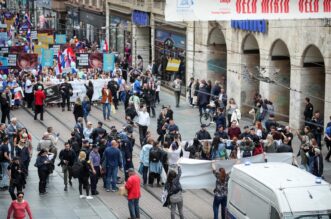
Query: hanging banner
(47, 57)
(34, 35)
(4, 50)
(27, 61)
(95, 60)
(108, 62)
(45, 38)
(12, 60)
(55, 48)
(3, 38)
(3, 62)
(60, 39)
(82, 60)
(194, 10)
(39, 47)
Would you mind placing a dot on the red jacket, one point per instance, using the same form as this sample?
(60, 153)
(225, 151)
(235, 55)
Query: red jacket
(39, 97)
(133, 187)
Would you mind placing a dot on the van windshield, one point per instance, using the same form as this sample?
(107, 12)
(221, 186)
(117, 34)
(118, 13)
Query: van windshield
(320, 216)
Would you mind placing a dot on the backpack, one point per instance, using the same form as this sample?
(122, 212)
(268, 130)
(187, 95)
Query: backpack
(77, 169)
(154, 155)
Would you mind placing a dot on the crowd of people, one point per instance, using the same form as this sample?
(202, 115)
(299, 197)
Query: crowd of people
(93, 153)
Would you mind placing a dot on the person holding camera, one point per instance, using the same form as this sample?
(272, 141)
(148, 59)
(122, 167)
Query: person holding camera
(67, 158)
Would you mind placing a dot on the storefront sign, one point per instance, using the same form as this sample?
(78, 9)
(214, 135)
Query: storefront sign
(250, 25)
(82, 60)
(173, 65)
(47, 57)
(108, 62)
(60, 39)
(140, 18)
(188, 10)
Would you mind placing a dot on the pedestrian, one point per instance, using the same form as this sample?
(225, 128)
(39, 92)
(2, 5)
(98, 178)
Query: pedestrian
(11, 132)
(18, 208)
(28, 91)
(5, 108)
(17, 177)
(220, 191)
(230, 110)
(203, 97)
(132, 185)
(155, 165)
(327, 140)
(317, 163)
(143, 123)
(144, 158)
(174, 189)
(113, 161)
(177, 84)
(95, 159)
(86, 104)
(67, 158)
(78, 109)
(83, 176)
(106, 101)
(42, 163)
(89, 91)
(157, 91)
(189, 91)
(39, 99)
(317, 128)
(308, 113)
(4, 162)
(66, 91)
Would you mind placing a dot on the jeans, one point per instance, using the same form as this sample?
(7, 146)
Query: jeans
(145, 172)
(66, 171)
(42, 180)
(142, 133)
(83, 181)
(106, 110)
(134, 208)
(180, 210)
(94, 179)
(202, 108)
(111, 176)
(216, 204)
(5, 178)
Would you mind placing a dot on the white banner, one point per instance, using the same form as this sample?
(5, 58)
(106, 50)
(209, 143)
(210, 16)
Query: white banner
(197, 174)
(206, 10)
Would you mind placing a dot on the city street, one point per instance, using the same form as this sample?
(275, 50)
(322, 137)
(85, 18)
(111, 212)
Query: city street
(60, 204)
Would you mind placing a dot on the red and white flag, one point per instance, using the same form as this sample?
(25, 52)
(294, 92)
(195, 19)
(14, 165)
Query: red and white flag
(105, 46)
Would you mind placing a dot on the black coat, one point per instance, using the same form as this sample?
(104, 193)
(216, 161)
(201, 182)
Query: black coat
(203, 96)
(78, 111)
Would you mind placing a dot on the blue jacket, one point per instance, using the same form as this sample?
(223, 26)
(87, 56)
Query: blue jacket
(137, 87)
(113, 157)
(144, 154)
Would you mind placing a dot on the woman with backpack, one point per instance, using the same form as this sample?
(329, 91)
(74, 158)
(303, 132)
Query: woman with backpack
(83, 175)
(78, 109)
(155, 165)
(86, 104)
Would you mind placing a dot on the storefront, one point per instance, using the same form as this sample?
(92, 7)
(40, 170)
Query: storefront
(121, 36)
(91, 25)
(170, 55)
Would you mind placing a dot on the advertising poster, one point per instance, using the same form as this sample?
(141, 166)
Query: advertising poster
(95, 60)
(108, 62)
(47, 57)
(82, 60)
(173, 65)
(194, 10)
(27, 61)
(60, 39)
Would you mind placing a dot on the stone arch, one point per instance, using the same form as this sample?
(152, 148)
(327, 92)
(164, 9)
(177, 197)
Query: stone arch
(280, 71)
(313, 77)
(217, 56)
(250, 60)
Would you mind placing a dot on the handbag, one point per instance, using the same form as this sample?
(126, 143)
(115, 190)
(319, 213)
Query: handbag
(176, 198)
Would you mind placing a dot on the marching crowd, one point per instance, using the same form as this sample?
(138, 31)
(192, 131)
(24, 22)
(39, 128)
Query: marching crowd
(94, 153)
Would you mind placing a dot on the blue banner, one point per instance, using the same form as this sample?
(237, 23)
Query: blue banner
(3, 62)
(47, 56)
(60, 39)
(108, 62)
(3, 39)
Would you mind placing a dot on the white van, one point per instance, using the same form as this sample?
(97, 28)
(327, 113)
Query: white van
(276, 190)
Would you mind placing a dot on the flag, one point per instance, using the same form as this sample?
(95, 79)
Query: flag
(59, 62)
(105, 46)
